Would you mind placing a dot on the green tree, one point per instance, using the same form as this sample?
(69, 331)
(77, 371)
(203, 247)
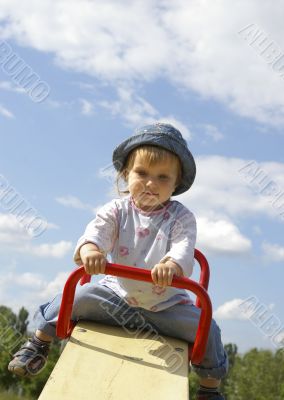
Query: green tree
(193, 384)
(279, 372)
(13, 333)
(232, 351)
(256, 376)
(10, 341)
(22, 321)
(7, 314)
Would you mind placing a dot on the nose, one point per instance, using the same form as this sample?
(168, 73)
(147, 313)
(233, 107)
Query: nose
(151, 182)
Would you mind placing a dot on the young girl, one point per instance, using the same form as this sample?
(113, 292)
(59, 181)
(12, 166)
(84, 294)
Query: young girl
(144, 229)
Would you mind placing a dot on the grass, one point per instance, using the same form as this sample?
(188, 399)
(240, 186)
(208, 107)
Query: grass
(9, 396)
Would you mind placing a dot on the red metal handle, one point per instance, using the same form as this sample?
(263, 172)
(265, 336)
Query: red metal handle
(65, 325)
(204, 274)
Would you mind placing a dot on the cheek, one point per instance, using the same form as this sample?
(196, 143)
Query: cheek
(171, 187)
(135, 185)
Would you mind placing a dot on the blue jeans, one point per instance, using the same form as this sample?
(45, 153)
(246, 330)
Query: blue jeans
(99, 303)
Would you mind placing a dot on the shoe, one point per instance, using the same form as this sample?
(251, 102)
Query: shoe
(209, 396)
(30, 359)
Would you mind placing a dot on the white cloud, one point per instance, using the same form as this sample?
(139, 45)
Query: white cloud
(14, 237)
(51, 225)
(135, 110)
(59, 104)
(87, 107)
(226, 192)
(212, 132)
(273, 252)
(234, 187)
(28, 280)
(6, 85)
(56, 250)
(6, 113)
(11, 231)
(55, 286)
(221, 236)
(31, 288)
(200, 51)
(230, 310)
(74, 202)
(241, 309)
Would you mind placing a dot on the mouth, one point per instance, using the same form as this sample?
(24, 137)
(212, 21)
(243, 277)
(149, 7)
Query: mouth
(150, 194)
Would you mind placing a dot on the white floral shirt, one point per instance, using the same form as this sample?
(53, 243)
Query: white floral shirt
(133, 237)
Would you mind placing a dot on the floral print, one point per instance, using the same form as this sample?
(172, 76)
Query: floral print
(142, 232)
(158, 290)
(132, 301)
(166, 215)
(123, 251)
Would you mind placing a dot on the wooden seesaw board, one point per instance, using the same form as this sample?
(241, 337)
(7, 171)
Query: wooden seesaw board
(102, 362)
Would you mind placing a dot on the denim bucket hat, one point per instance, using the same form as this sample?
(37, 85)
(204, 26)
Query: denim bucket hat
(161, 135)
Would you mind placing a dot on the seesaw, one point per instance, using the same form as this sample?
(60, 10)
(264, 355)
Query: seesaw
(103, 362)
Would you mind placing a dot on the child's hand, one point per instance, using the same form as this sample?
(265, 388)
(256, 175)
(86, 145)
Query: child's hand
(162, 273)
(93, 260)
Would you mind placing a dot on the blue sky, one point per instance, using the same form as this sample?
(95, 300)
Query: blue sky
(211, 69)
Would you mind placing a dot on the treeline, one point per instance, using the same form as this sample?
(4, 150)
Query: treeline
(256, 375)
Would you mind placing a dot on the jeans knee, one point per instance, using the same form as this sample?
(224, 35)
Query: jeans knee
(88, 303)
(214, 332)
(81, 296)
(214, 344)
(51, 309)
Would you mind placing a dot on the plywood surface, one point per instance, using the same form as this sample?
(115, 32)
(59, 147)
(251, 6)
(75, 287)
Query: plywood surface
(102, 362)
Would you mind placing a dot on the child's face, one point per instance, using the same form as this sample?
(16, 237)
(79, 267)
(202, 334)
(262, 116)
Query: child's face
(152, 185)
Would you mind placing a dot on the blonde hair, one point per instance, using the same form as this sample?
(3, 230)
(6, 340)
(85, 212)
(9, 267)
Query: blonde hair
(151, 155)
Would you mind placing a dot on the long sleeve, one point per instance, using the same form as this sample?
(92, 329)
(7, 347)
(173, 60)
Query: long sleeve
(102, 231)
(182, 241)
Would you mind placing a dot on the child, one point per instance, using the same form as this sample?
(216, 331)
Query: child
(151, 231)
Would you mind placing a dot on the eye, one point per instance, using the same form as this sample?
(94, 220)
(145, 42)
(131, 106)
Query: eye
(163, 177)
(141, 172)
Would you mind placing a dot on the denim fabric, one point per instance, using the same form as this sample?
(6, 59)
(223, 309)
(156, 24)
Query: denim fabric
(99, 303)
